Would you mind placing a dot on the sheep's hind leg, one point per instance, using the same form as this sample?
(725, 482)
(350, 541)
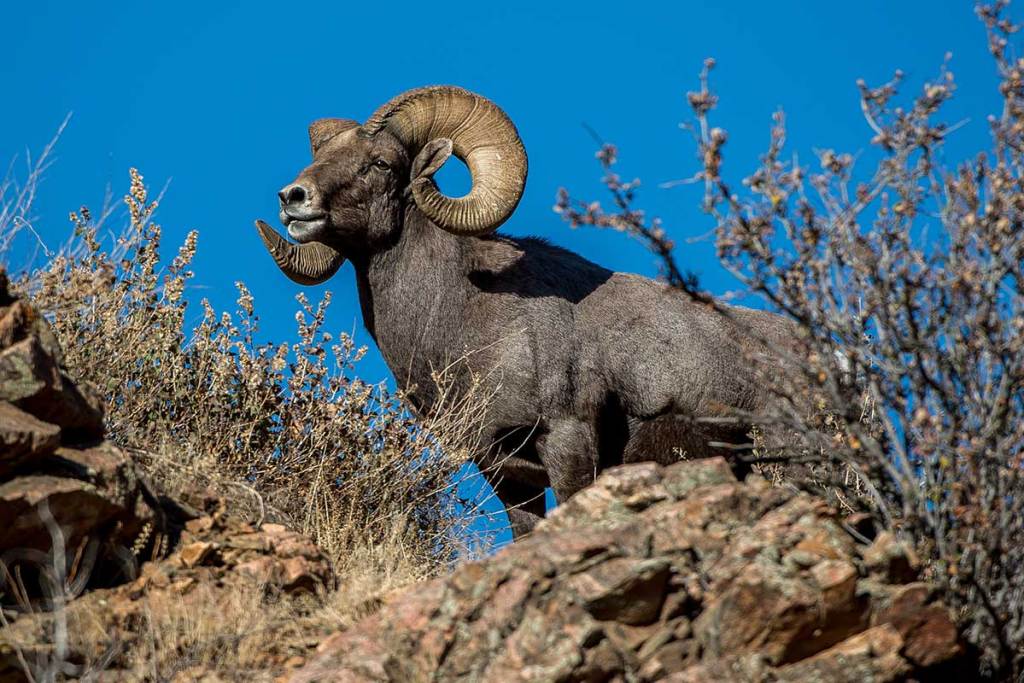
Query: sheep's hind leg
(670, 438)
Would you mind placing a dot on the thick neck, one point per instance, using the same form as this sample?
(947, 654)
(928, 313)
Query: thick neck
(413, 294)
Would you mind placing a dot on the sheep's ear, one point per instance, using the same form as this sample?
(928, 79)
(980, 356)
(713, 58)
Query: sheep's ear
(431, 158)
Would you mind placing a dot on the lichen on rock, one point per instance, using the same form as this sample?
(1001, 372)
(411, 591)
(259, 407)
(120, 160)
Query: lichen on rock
(653, 573)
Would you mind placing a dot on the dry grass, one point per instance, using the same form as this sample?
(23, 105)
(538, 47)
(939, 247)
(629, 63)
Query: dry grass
(18, 237)
(282, 432)
(244, 634)
(247, 635)
(206, 630)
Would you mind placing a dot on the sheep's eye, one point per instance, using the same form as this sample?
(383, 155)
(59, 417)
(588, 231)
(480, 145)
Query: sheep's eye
(381, 165)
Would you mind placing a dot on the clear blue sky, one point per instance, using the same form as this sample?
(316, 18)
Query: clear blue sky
(216, 97)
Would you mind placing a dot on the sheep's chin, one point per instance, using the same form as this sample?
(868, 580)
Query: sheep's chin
(307, 231)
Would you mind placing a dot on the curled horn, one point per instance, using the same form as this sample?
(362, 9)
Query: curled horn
(307, 264)
(482, 136)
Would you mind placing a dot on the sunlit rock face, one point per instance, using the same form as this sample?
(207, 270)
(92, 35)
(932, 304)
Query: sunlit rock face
(664, 573)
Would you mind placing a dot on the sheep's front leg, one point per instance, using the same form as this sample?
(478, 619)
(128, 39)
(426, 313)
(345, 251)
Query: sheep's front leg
(569, 452)
(524, 504)
(518, 479)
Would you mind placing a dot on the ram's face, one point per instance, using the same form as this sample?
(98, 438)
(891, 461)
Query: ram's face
(350, 201)
(349, 196)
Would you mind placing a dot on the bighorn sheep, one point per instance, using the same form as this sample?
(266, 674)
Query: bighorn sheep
(596, 368)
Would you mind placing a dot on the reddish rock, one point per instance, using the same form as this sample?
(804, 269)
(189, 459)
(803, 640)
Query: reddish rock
(872, 655)
(926, 626)
(31, 378)
(195, 554)
(196, 571)
(626, 590)
(92, 491)
(701, 579)
(837, 580)
(891, 560)
(23, 437)
(17, 319)
(77, 506)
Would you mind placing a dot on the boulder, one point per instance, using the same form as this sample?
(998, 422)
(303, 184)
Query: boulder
(653, 573)
(59, 481)
(32, 378)
(23, 437)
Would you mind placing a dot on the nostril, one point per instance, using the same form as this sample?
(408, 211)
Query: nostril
(294, 194)
(297, 194)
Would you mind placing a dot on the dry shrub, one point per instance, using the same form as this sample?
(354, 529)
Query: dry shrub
(286, 430)
(17, 196)
(906, 285)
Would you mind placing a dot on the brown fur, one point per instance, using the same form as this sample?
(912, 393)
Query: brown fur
(590, 368)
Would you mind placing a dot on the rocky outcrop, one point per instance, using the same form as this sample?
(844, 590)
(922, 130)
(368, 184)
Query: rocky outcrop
(32, 382)
(674, 573)
(59, 480)
(218, 561)
(83, 533)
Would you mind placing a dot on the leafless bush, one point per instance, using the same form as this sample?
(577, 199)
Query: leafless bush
(17, 197)
(286, 428)
(907, 278)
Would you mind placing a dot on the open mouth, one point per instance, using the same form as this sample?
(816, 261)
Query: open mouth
(304, 230)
